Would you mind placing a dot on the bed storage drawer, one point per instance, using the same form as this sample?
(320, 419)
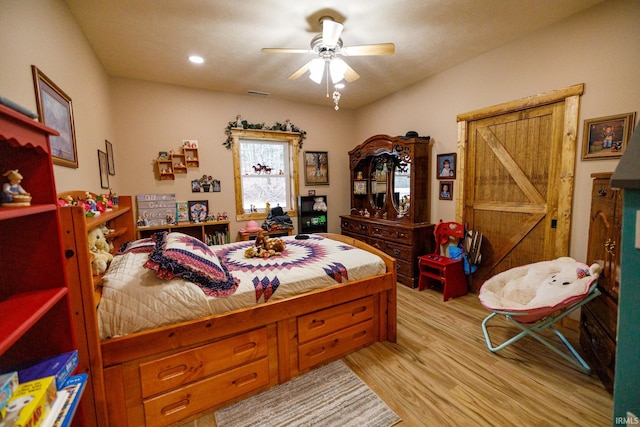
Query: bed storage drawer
(335, 345)
(193, 398)
(324, 322)
(181, 368)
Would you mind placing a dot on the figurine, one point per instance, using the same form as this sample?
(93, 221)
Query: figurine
(12, 192)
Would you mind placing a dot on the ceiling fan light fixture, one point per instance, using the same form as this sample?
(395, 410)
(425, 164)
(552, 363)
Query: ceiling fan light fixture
(316, 70)
(331, 31)
(337, 68)
(196, 59)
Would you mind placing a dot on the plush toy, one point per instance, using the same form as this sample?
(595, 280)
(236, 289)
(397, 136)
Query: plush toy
(319, 204)
(99, 248)
(265, 247)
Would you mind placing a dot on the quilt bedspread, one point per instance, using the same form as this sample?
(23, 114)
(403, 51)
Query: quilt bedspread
(134, 299)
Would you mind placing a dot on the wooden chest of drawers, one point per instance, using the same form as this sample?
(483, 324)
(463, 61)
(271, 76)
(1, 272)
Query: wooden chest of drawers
(403, 241)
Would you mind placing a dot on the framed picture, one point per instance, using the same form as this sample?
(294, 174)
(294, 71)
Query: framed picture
(606, 137)
(104, 169)
(195, 186)
(311, 192)
(110, 159)
(447, 166)
(216, 185)
(360, 187)
(446, 190)
(55, 110)
(182, 212)
(198, 210)
(316, 168)
(163, 155)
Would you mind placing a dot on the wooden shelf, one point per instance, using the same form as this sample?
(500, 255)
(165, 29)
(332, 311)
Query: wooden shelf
(19, 212)
(199, 230)
(21, 311)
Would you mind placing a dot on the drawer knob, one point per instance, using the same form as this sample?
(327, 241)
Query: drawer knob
(172, 372)
(175, 407)
(245, 347)
(245, 380)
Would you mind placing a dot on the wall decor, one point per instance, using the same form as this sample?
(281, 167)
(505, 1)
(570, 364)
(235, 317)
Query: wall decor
(110, 160)
(447, 166)
(316, 168)
(606, 137)
(239, 123)
(182, 212)
(360, 187)
(216, 185)
(56, 111)
(156, 209)
(195, 186)
(311, 192)
(104, 169)
(198, 210)
(446, 190)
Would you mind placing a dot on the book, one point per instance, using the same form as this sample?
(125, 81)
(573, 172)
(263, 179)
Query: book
(66, 403)
(8, 384)
(60, 366)
(31, 403)
(182, 212)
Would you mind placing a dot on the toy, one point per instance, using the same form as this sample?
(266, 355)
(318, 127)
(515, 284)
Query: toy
(99, 248)
(319, 204)
(265, 247)
(12, 192)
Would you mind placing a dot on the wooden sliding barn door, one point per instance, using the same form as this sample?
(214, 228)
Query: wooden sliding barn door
(519, 161)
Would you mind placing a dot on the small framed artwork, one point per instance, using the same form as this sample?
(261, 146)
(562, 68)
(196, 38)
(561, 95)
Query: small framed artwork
(447, 166)
(104, 169)
(360, 187)
(195, 186)
(110, 159)
(446, 190)
(316, 168)
(182, 212)
(198, 210)
(606, 137)
(163, 155)
(311, 192)
(216, 185)
(55, 110)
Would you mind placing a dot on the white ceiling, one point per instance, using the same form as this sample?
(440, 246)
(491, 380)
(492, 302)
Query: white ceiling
(151, 39)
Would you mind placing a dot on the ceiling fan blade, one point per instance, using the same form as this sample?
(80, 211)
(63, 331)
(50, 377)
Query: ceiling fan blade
(284, 50)
(300, 71)
(350, 75)
(369, 49)
(331, 31)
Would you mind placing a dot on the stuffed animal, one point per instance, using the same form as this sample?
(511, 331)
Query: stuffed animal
(319, 204)
(99, 248)
(265, 247)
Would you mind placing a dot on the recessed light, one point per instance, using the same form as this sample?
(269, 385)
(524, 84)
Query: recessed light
(196, 59)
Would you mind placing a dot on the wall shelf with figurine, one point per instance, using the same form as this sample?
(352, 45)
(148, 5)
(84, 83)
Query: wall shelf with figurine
(170, 164)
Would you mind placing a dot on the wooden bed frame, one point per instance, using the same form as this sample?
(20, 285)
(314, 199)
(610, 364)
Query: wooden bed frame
(176, 373)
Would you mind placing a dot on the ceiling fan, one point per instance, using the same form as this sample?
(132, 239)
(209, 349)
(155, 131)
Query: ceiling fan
(328, 48)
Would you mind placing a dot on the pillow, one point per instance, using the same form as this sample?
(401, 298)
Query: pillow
(180, 255)
(136, 246)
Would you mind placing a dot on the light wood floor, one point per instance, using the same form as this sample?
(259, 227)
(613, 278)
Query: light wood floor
(440, 372)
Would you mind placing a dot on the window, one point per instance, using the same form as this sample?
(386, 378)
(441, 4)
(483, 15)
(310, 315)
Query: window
(266, 171)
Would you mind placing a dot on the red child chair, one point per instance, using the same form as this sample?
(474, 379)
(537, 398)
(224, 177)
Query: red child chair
(440, 267)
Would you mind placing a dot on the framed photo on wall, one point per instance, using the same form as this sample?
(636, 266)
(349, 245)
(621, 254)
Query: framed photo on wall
(447, 166)
(316, 168)
(104, 169)
(55, 110)
(607, 137)
(446, 190)
(110, 159)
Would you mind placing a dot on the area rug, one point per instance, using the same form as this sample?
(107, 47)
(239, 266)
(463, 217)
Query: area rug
(329, 396)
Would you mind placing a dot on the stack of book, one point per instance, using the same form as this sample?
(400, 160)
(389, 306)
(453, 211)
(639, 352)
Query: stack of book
(43, 393)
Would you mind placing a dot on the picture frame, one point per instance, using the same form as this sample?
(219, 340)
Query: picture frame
(316, 168)
(198, 210)
(110, 160)
(216, 185)
(607, 137)
(445, 190)
(182, 212)
(163, 155)
(104, 169)
(195, 186)
(360, 187)
(56, 111)
(447, 166)
(311, 193)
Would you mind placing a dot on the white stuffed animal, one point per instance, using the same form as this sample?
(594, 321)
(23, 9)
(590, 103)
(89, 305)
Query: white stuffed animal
(99, 248)
(320, 205)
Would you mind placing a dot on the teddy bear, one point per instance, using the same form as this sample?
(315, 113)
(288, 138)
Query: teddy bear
(99, 248)
(319, 204)
(264, 247)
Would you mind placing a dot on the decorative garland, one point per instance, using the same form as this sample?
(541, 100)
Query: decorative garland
(287, 126)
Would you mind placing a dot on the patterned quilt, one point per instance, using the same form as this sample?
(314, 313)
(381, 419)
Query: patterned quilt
(134, 299)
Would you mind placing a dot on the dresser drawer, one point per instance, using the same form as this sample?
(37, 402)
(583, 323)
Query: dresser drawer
(605, 310)
(324, 322)
(405, 268)
(175, 405)
(600, 349)
(399, 252)
(334, 345)
(358, 227)
(181, 368)
(392, 232)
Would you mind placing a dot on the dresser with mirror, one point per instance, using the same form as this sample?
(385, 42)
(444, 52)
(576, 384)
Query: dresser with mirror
(390, 199)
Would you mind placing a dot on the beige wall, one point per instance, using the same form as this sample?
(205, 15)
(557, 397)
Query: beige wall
(598, 48)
